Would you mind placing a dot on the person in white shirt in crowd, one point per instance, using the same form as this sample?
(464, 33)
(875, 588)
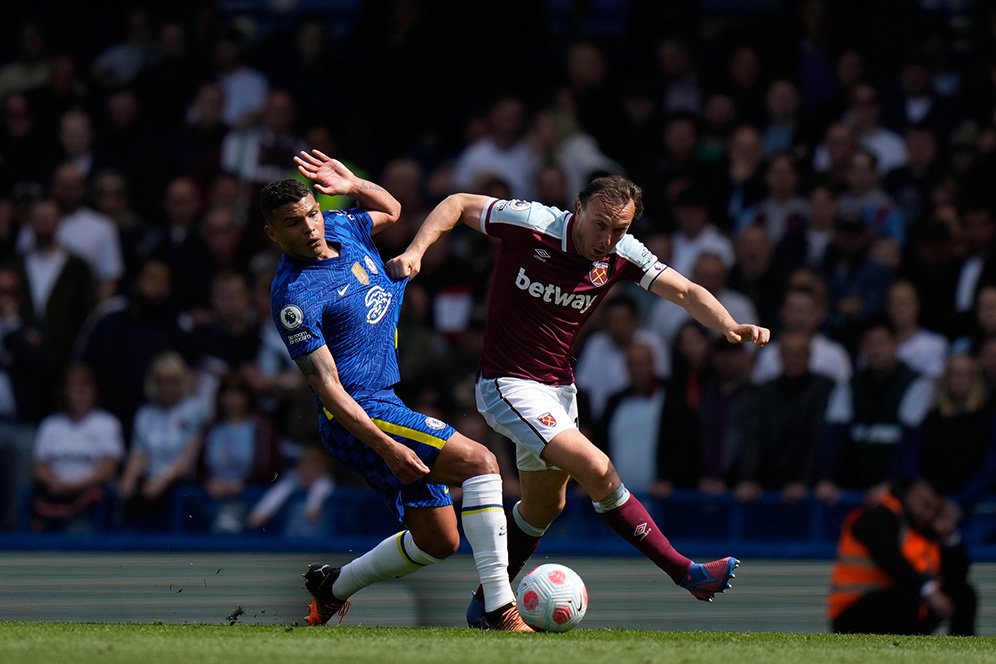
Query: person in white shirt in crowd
(695, 234)
(634, 422)
(83, 231)
(804, 309)
(863, 115)
(244, 88)
(165, 443)
(601, 367)
(710, 272)
(503, 152)
(923, 350)
(77, 452)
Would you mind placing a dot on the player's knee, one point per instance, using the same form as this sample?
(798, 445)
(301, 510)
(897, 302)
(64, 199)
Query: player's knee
(443, 546)
(482, 461)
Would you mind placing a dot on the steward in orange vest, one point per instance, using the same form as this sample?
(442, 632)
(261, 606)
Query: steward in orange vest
(901, 567)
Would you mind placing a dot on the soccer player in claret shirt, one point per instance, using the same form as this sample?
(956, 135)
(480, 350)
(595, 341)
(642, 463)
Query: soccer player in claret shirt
(553, 269)
(337, 311)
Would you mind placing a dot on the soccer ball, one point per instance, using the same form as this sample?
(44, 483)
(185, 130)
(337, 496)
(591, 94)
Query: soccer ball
(552, 598)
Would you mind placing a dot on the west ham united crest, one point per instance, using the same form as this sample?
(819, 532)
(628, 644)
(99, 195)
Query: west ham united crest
(547, 419)
(599, 273)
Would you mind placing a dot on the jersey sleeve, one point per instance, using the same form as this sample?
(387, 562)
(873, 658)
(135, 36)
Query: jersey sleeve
(640, 264)
(499, 217)
(297, 316)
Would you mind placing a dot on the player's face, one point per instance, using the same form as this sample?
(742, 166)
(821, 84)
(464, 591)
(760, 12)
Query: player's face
(299, 229)
(598, 226)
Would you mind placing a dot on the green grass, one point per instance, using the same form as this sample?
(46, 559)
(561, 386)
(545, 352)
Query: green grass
(66, 643)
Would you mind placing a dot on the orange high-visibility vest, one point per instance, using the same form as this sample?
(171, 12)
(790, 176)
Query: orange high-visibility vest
(855, 573)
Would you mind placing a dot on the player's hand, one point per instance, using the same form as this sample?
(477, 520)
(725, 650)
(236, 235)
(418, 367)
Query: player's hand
(404, 265)
(329, 175)
(404, 463)
(759, 336)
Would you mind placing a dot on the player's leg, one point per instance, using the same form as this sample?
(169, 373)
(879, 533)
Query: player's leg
(543, 498)
(474, 468)
(529, 414)
(625, 514)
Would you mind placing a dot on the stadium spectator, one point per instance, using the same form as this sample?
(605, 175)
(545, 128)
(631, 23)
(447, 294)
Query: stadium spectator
(83, 231)
(238, 452)
(258, 153)
(23, 146)
(901, 568)
(804, 310)
(166, 86)
(741, 186)
(781, 450)
(30, 68)
(756, 276)
(863, 115)
(122, 337)
(696, 233)
(676, 169)
(912, 187)
(872, 418)
(634, 426)
(20, 395)
(77, 452)
(557, 138)
(681, 86)
(957, 450)
(601, 367)
(111, 198)
(502, 151)
(296, 503)
(165, 443)
(783, 130)
(121, 63)
(179, 243)
(196, 145)
(65, 90)
(58, 293)
(922, 350)
(782, 211)
(856, 282)
(244, 88)
(726, 409)
(865, 199)
(832, 157)
(977, 232)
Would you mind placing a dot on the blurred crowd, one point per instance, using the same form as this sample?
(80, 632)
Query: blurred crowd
(818, 178)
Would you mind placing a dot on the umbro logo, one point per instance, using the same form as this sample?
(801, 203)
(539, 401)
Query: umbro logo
(541, 255)
(342, 291)
(642, 531)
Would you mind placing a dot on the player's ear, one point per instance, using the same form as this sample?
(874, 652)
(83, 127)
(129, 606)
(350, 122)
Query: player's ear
(269, 232)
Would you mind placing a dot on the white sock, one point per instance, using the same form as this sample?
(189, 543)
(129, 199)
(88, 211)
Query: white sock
(395, 557)
(484, 525)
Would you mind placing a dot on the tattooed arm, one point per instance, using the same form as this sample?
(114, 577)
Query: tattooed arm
(332, 177)
(320, 370)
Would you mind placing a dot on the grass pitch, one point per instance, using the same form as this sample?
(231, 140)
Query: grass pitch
(66, 643)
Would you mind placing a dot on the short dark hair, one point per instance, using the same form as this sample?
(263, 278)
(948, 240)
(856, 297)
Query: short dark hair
(614, 190)
(281, 192)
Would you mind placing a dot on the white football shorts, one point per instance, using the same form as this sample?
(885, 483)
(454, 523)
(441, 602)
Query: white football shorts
(529, 413)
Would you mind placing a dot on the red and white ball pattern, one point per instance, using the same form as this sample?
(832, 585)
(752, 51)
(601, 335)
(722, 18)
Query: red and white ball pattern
(552, 598)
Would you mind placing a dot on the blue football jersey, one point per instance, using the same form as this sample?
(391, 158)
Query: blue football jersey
(348, 303)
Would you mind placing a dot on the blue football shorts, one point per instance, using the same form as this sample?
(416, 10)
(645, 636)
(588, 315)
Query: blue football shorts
(421, 433)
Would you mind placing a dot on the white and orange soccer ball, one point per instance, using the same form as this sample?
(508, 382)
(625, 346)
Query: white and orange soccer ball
(552, 598)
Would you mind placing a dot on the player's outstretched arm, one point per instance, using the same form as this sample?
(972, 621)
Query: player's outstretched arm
(333, 178)
(455, 208)
(706, 309)
(319, 368)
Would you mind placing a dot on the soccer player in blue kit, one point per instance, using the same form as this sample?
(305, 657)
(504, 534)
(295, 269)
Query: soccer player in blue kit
(337, 311)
